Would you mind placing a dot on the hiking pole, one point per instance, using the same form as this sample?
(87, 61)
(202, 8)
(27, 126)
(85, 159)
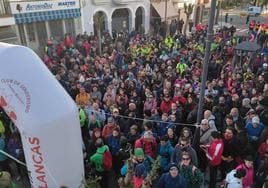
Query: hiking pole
(13, 158)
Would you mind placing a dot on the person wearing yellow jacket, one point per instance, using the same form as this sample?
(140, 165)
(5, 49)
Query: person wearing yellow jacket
(169, 41)
(181, 67)
(2, 127)
(82, 117)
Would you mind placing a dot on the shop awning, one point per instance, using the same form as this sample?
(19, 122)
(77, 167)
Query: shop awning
(172, 12)
(46, 16)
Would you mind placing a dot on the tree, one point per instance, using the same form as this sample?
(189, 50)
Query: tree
(188, 10)
(98, 21)
(261, 3)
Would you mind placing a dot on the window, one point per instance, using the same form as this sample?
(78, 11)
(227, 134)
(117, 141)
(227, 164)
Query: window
(70, 27)
(30, 32)
(22, 34)
(8, 34)
(41, 33)
(56, 29)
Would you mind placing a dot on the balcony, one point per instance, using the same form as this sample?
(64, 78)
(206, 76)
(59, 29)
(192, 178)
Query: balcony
(5, 10)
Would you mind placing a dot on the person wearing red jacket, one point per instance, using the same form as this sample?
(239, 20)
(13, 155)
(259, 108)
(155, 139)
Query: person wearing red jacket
(165, 105)
(148, 143)
(86, 46)
(68, 41)
(251, 25)
(214, 153)
(263, 149)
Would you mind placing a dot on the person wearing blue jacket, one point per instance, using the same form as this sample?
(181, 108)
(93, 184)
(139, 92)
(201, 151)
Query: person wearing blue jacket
(254, 129)
(163, 126)
(172, 179)
(113, 141)
(165, 151)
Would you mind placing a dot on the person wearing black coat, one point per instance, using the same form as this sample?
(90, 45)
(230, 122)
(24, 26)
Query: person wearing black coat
(123, 154)
(262, 173)
(230, 151)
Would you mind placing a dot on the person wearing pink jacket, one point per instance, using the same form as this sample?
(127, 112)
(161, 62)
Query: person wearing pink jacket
(247, 181)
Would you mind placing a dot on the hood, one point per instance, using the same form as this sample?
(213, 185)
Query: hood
(102, 149)
(211, 117)
(231, 179)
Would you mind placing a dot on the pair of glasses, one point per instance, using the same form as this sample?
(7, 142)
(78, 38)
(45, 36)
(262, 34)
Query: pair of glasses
(174, 169)
(203, 123)
(185, 159)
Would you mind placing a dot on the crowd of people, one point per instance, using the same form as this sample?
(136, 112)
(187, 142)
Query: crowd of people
(138, 101)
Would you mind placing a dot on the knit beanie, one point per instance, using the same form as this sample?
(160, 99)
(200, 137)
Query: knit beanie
(256, 120)
(140, 170)
(172, 165)
(5, 179)
(139, 152)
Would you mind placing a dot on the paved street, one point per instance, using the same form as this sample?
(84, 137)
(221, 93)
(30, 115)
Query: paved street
(239, 22)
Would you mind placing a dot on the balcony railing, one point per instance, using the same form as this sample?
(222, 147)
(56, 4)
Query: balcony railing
(5, 9)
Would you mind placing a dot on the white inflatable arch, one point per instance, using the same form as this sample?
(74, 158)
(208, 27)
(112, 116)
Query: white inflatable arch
(46, 117)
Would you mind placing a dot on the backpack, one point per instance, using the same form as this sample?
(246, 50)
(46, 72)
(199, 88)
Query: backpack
(193, 169)
(143, 145)
(107, 160)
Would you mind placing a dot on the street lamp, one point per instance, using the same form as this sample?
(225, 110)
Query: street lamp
(166, 25)
(206, 60)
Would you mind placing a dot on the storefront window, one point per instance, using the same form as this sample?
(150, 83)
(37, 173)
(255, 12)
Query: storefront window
(41, 32)
(56, 29)
(22, 34)
(30, 32)
(70, 26)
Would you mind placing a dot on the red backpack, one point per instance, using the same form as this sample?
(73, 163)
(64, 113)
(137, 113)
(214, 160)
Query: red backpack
(107, 160)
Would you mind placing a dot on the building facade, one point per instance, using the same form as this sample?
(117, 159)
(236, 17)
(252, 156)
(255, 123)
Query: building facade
(168, 10)
(37, 21)
(8, 32)
(119, 15)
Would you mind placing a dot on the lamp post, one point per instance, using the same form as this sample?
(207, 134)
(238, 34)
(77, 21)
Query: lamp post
(166, 25)
(206, 60)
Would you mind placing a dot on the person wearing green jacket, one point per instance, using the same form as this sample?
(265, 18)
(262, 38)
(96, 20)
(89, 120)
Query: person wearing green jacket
(82, 117)
(97, 158)
(97, 161)
(192, 174)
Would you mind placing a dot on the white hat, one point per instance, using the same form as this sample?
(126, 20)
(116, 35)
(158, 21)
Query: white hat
(148, 134)
(256, 120)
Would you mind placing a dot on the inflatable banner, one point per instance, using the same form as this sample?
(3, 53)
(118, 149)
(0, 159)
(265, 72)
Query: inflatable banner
(46, 117)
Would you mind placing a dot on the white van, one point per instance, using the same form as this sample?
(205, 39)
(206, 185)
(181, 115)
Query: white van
(254, 11)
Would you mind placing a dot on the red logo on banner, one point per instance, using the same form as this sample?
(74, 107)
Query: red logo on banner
(3, 103)
(37, 159)
(12, 115)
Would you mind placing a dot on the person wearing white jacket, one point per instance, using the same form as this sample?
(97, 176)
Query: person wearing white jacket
(234, 178)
